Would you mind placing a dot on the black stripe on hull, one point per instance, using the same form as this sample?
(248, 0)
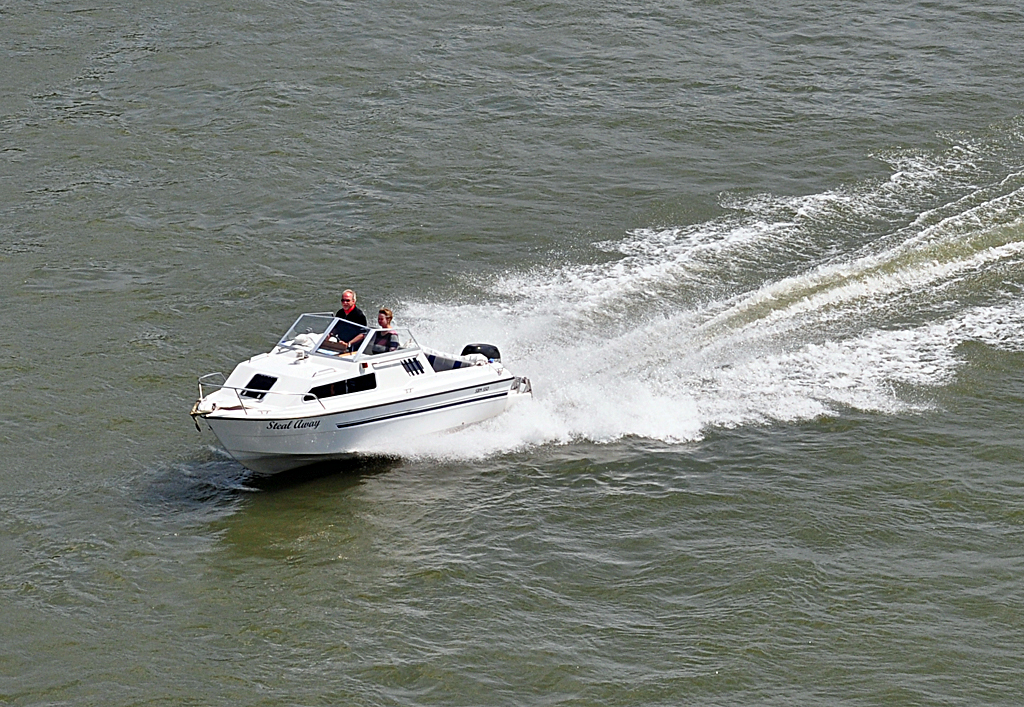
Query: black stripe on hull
(418, 411)
(380, 405)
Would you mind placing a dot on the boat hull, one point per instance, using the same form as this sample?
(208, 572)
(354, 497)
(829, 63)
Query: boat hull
(270, 446)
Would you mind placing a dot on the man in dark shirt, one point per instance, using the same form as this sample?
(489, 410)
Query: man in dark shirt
(349, 311)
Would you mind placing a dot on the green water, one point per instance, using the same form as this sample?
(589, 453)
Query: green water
(763, 264)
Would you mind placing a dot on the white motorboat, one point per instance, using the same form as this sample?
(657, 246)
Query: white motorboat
(330, 389)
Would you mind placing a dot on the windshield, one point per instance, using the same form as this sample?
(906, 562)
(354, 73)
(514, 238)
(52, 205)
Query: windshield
(337, 337)
(345, 337)
(306, 331)
(387, 340)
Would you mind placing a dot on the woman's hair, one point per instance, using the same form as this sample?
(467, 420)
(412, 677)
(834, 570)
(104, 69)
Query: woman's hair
(387, 313)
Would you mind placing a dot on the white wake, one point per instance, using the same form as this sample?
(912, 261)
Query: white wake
(784, 309)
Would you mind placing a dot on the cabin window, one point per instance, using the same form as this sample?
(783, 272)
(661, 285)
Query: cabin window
(258, 383)
(352, 385)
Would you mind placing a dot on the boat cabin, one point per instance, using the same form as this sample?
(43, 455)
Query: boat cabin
(322, 356)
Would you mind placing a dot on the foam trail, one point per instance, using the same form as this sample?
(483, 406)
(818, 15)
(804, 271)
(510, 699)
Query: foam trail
(784, 309)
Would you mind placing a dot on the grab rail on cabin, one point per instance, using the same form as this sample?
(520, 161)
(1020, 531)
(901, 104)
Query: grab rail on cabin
(207, 386)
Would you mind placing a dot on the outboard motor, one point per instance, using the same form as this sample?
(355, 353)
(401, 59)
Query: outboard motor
(488, 350)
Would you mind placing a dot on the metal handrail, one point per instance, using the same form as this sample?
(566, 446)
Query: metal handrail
(306, 397)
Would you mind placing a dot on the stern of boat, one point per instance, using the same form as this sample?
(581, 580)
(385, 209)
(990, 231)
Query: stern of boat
(520, 390)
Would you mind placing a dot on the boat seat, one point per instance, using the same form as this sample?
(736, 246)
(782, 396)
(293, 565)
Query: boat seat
(441, 361)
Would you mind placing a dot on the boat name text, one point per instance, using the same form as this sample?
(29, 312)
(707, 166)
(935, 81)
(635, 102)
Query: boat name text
(293, 424)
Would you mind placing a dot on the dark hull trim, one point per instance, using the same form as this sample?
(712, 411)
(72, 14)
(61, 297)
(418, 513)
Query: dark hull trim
(418, 411)
(379, 405)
